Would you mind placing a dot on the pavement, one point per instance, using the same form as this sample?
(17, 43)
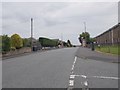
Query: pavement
(61, 68)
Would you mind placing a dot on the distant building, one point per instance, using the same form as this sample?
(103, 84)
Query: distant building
(109, 37)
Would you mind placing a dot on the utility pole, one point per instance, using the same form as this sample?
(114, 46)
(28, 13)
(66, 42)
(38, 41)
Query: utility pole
(62, 39)
(31, 34)
(61, 36)
(85, 26)
(85, 33)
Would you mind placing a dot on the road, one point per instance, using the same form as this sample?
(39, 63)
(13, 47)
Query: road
(61, 68)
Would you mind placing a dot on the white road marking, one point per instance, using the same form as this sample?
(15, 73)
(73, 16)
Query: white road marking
(83, 76)
(72, 72)
(86, 83)
(75, 59)
(74, 63)
(72, 67)
(71, 82)
(72, 76)
(101, 77)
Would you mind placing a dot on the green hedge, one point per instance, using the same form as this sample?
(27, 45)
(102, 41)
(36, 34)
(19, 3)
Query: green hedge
(45, 42)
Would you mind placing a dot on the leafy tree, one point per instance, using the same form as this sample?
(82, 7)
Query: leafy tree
(69, 43)
(26, 42)
(16, 41)
(86, 36)
(5, 43)
(92, 40)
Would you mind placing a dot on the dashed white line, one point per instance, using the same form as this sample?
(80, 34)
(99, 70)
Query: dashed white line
(71, 82)
(71, 79)
(75, 59)
(74, 63)
(72, 76)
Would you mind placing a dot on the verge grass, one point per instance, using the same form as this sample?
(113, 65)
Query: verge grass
(113, 49)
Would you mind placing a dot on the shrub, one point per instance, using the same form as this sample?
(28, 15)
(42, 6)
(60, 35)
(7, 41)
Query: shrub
(5, 43)
(16, 41)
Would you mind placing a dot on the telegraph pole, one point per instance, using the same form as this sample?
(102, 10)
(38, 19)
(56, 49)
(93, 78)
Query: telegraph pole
(61, 36)
(85, 26)
(31, 34)
(85, 33)
(62, 39)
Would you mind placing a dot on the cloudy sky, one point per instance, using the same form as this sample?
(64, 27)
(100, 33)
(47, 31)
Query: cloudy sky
(58, 19)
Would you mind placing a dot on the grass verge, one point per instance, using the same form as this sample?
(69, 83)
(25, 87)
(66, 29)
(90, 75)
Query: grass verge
(113, 49)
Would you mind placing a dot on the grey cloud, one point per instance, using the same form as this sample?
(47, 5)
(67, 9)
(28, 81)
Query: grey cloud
(52, 19)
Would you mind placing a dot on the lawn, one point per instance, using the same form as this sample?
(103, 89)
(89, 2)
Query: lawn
(113, 49)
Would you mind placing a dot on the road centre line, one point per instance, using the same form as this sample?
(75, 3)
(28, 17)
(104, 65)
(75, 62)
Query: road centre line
(71, 82)
(74, 63)
(71, 79)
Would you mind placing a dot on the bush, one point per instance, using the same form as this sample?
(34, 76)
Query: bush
(26, 42)
(16, 41)
(5, 43)
(45, 42)
(13, 48)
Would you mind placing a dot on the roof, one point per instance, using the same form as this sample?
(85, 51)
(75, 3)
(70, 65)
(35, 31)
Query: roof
(109, 30)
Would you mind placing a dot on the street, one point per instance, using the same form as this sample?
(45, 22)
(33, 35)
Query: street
(61, 68)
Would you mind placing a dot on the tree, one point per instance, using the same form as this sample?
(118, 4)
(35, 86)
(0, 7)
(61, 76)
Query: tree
(16, 41)
(26, 42)
(5, 43)
(86, 36)
(92, 40)
(69, 43)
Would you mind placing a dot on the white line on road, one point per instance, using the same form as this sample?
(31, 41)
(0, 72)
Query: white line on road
(74, 63)
(75, 59)
(101, 77)
(71, 82)
(71, 79)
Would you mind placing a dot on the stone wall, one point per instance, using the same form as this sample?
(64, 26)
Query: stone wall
(16, 52)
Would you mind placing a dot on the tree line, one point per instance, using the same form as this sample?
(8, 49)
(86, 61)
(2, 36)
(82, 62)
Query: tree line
(15, 42)
(46, 42)
(12, 43)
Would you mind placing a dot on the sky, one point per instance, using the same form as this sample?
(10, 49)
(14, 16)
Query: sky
(58, 20)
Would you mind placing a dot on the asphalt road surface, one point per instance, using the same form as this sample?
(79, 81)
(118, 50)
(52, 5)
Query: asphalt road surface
(61, 68)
